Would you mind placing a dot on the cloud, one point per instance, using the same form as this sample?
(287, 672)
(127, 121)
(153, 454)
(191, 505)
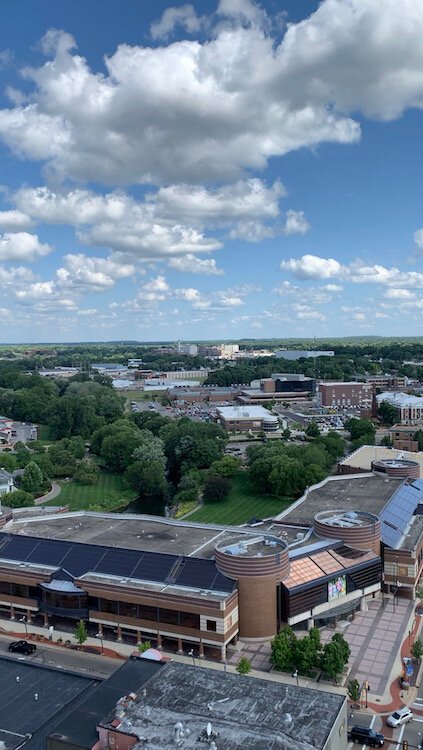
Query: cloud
(185, 17)
(14, 221)
(224, 105)
(315, 267)
(94, 274)
(418, 238)
(22, 246)
(312, 267)
(190, 264)
(305, 312)
(296, 223)
(399, 294)
(155, 290)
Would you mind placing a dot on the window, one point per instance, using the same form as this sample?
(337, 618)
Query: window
(108, 605)
(211, 625)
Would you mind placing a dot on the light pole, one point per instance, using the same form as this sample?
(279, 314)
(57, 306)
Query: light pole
(23, 619)
(100, 635)
(191, 653)
(295, 674)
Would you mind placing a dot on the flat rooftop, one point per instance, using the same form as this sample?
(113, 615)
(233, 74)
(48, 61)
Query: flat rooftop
(245, 412)
(24, 719)
(357, 492)
(362, 458)
(256, 546)
(130, 531)
(244, 713)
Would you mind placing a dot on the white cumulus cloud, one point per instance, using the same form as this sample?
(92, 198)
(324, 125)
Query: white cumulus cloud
(191, 264)
(22, 247)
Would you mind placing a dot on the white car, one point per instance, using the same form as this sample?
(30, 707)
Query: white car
(402, 716)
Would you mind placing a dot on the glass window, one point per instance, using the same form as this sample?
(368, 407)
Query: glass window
(107, 605)
(127, 609)
(169, 616)
(211, 625)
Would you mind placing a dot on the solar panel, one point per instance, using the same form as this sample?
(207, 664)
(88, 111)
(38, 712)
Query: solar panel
(396, 514)
(78, 558)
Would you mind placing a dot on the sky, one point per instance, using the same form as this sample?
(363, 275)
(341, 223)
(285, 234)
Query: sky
(216, 170)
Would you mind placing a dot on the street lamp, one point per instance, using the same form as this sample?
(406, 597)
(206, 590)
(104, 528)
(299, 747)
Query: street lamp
(100, 635)
(23, 619)
(295, 674)
(191, 653)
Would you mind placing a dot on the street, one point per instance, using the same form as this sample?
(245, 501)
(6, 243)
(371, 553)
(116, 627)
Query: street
(412, 732)
(94, 665)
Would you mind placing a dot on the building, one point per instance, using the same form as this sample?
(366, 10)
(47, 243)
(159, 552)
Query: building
(184, 584)
(402, 436)
(220, 351)
(393, 506)
(189, 349)
(163, 705)
(387, 382)
(295, 354)
(243, 418)
(338, 394)
(163, 384)
(7, 483)
(26, 720)
(205, 394)
(279, 387)
(410, 408)
(361, 460)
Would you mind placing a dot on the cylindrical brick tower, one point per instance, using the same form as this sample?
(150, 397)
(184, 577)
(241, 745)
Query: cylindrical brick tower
(357, 529)
(397, 467)
(258, 563)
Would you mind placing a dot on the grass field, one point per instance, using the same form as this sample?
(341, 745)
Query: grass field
(241, 504)
(108, 494)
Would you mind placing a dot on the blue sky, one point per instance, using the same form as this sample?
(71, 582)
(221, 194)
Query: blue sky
(210, 170)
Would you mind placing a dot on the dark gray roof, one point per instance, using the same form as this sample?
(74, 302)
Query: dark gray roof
(79, 728)
(21, 713)
(78, 559)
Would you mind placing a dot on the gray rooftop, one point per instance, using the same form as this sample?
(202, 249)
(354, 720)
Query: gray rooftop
(358, 492)
(148, 533)
(21, 714)
(243, 712)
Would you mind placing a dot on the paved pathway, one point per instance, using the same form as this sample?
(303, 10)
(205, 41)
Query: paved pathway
(54, 492)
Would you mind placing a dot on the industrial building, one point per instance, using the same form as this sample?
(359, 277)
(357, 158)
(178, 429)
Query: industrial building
(350, 394)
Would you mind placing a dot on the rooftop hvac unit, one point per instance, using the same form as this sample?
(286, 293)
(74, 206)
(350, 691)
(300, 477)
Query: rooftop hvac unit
(299, 537)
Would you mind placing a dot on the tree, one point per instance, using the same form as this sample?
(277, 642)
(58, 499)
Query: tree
(353, 690)
(32, 479)
(287, 477)
(418, 436)
(387, 413)
(386, 440)
(227, 466)
(335, 656)
(417, 649)
(216, 489)
(283, 654)
(18, 499)
(148, 478)
(362, 431)
(87, 472)
(80, 633)
(312, 430)
(144, 646)
(243, 666)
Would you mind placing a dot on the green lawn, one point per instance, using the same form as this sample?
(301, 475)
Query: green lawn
(108, 494)
(241, 504)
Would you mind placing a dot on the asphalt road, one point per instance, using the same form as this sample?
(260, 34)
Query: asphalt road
(412, 732)
(93, 665)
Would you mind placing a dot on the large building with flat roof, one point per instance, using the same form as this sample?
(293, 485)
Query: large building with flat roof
(244, 418)
(163, 705)
(172, 581)
(410, 408)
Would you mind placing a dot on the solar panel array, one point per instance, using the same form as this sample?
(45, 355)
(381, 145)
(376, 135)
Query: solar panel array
(77, 558)
(395, 516)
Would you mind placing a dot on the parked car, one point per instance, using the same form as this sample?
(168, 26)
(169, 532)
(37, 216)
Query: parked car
(22, 647)
(402, 716)
(366, 736)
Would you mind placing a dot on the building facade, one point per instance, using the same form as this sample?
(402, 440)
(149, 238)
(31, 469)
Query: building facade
(350, 394)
